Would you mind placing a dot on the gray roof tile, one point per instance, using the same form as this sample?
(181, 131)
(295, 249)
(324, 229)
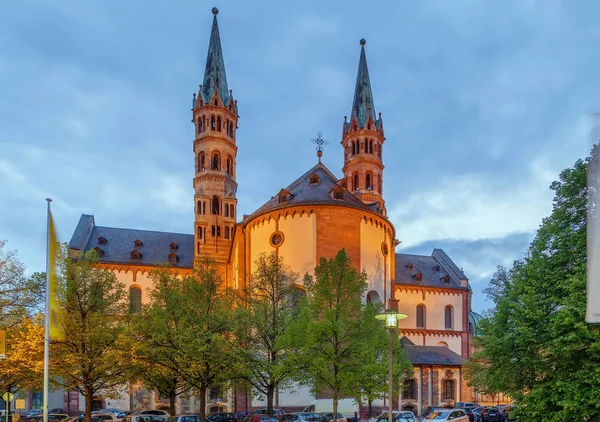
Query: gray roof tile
(433, 355)
(156, 246)
(302, 192)
(427, 266)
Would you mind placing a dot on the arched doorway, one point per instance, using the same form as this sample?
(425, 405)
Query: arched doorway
(373, 297)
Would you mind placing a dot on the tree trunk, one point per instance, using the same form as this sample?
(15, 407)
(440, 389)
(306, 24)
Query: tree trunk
(89, 396)
(202, 411)
(335, 405)
(370, 408)
(270, 394)
(172, 397)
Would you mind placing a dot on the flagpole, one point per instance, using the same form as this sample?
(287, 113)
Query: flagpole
(47, 320)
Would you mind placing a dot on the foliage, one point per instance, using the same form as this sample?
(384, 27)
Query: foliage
(269, 302)
(20, 295)
(93, 315)
(333, 332)
(372, 378)
(535, 344)
(188, 327)
(23, 368)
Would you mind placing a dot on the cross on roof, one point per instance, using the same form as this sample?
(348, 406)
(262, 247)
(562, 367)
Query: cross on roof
(320, 143)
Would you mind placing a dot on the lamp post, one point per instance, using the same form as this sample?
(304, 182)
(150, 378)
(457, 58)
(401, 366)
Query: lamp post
(391, 318)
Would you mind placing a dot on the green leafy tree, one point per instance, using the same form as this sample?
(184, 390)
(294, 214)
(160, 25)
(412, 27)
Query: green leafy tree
(269, 302)
(535, 344)
(189, 327)
(372, 378)
(332, 332)
(93, 315)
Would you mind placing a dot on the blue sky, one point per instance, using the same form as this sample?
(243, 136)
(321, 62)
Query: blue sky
(483, 104)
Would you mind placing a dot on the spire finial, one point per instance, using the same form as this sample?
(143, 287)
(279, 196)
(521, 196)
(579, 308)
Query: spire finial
(215, 11)
(215, 79)
(363, 42)
(320, 143)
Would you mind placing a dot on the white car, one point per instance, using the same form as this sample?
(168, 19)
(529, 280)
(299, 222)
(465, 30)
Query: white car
(398, 416)
(329, 417)
(447, 415)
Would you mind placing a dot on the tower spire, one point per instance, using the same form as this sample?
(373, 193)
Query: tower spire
(363, 106)
(215, 78)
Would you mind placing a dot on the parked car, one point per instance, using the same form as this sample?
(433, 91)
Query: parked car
(82, 419)
(470, 413)
(153, 412)
(347, 407)
(309, 417)
(57, 411)
(264, 412)
(259, 417)
(105, 416)
(51, 417)
(491, 414)
(329, 417)
(454, 415)
(144, 418)
(184, 417)
(34, 412)
(221, 417)
(399, 416)
(430, 409)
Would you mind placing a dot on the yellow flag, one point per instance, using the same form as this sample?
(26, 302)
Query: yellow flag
(56, 333)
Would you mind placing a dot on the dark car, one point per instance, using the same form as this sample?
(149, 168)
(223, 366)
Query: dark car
(491, 414)
(221, 417)
(470, 414)
(260, 418)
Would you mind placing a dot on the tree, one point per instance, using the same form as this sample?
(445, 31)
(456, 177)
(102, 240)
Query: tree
(190, 325)
(93, 315)
(152, 360)
(23, 368)
(19, 295)
(269, 302)
(332, 333)
(535, 343)
(372, 378)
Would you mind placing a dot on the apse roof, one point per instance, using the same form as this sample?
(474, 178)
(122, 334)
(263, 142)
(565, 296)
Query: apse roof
(302, 191)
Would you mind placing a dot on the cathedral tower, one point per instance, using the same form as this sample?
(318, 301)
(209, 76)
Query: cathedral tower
(362, 139)
(214, 114)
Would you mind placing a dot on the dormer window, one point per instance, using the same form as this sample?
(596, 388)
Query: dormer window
(418, 277)
(102, 241)
(409, 266)
(337, 193)
(314, 179)
(436, 268)
(173, 246)
(99, 251)
(284, 196)
(173, 258)
(138, 243)
(136, 255)
(446, 279)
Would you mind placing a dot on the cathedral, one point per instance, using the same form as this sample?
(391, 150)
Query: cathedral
(314, 216)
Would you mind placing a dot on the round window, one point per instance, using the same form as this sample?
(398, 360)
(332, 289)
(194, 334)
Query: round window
(276, 239)
(384, 249)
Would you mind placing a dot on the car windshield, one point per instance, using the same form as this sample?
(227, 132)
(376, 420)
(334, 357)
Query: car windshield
(437, 416)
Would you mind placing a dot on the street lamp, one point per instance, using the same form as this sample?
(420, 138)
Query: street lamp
(391, 318)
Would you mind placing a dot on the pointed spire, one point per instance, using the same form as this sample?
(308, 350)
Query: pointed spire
(214, 75)
(363, 96)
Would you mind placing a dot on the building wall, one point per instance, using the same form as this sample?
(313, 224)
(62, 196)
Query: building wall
(372, 260)
(299, 248)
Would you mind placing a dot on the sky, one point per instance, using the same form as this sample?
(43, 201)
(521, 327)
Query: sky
(483, 104)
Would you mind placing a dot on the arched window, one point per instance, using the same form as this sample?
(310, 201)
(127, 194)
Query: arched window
(229, 166)
(420, 316)
(199, 232)
(213, 231)
(203, 207)
(355, 181)
(135, 299)
(226, 232)
(219, 124)
(368, 184)
(215, 205)
(199, 207)
(448, 390)
(213, 125)
(199, 126)
(448, 314)
(201, 163)
(226, 208)
(410, 390)
(218, 231)
(231, 213)
(216, 161)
